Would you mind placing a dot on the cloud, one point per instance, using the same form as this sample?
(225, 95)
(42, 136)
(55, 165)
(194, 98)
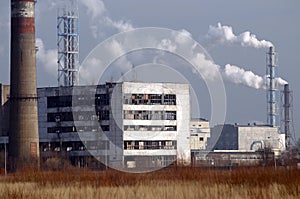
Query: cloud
(95, 8)
(183, 36)
(90, 71)
(99, 19)
(47, 58)
(168, 45)
(223, 35)
(120, 25)
(87, 74)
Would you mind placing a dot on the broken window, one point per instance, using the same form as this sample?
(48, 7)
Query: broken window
(59, 101)
(149, 128)
(170, 99)
(150, 145)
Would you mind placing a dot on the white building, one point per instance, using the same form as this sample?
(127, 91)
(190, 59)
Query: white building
(200, 132)
(127, 124)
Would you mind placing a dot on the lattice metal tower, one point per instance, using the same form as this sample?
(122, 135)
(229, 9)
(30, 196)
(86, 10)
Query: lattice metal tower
(272, 93)
(68, 43)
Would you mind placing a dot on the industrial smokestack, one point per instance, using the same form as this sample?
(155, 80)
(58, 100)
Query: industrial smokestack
(23, 132)
(287, 118)
(271, 87)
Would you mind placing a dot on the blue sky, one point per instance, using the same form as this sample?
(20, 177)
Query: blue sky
(273, 20)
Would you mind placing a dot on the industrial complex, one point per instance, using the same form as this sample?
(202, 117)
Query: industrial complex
(133, 124)
(122, 125)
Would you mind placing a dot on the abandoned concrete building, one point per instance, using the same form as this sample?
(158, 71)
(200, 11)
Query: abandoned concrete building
(120, 125)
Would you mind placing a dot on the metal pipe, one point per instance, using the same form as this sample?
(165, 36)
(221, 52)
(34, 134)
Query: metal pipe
(271, 87)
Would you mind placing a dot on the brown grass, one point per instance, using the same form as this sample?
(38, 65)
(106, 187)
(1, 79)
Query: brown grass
(166, 183)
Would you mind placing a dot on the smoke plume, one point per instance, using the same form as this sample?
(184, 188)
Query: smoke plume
(238, 75)
(230, 73)
(223, 35)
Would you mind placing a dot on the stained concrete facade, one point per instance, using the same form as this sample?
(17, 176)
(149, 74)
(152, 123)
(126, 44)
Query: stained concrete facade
(156, 123)
(200, 133)
(4, 109)
(77, 122)
(127, 124)
(247, 137)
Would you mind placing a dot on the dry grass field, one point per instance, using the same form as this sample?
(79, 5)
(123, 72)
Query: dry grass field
(172, 183)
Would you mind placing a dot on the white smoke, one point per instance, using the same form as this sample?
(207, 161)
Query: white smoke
(208, 69)
(47, 58)
(223, 35)
(238, 75)
(281, 81)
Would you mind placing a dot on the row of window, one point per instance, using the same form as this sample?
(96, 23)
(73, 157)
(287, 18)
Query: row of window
(70, 129)
(141, 145)
(65, 146)
(151, 161)
(149, 115)
(78, 116)
(150, 99)
(75, 146)
(77, 100)
(149, 128)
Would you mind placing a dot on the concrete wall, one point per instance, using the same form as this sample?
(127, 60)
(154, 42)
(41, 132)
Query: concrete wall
(83, 101)
(182, 108)
(254, 137)
(4, 109)
(200, 132)
(248, 137)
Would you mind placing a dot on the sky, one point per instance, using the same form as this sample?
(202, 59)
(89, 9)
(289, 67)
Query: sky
(225, 29)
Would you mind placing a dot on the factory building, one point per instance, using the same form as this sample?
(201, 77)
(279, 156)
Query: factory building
(251, 137)
(240, 145)
(200, 133)
(121, 125)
